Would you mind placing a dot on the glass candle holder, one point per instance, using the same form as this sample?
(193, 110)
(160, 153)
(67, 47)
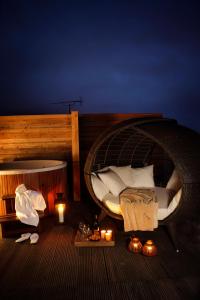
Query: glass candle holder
(149, 248)
(108, 235)
(135, 245)
(60, 209)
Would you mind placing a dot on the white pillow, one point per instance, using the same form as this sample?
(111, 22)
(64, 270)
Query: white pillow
(142, 177)
(124, 173)
(113, 182)
(164, 196)
(174, 183)
(102, 170)
(175, 201)
(164, 213)
(99, 187)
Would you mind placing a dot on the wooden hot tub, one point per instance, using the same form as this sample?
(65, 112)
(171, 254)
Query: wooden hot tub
(47, 176)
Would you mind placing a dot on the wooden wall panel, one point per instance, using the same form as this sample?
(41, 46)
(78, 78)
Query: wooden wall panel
(35, 137)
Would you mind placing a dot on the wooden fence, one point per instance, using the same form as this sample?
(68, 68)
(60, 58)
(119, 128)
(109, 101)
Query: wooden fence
(42, 137)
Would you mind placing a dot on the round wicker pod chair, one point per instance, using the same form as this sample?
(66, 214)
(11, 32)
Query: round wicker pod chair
(158, 141)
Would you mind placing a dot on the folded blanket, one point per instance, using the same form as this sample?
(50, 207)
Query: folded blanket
(139, 208)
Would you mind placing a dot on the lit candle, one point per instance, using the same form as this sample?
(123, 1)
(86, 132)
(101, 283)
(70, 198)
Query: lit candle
(103, 234)
(61, 208)
(108, 235)
(135, 245)
(110, 231)
(149, 248)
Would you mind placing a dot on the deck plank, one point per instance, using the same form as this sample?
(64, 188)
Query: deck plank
(55, 269)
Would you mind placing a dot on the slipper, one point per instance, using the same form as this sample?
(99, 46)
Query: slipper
(24, 236)
(34, 238)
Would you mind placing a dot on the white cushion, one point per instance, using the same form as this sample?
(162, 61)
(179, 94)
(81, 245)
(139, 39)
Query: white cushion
(163, 212)
(100, 189)
(142, 177)
(112, 202)
(113, 182)
(174, 183)
(102, 170)
(164, 196)
(124, 173)
(175, 201)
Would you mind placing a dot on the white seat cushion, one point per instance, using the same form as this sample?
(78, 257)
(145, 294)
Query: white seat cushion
(164, 196)
(174, 182)
(113, 204)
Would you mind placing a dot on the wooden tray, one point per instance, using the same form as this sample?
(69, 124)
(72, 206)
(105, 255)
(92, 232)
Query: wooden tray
(82, 242)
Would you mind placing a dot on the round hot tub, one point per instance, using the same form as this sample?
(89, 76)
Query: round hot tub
(47, 176)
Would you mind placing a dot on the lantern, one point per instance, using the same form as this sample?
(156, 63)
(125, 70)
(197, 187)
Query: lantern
(60, 208)
(149, 248)
(135, 245)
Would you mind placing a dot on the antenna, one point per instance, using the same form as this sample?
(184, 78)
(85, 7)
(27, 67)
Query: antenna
(69, 103)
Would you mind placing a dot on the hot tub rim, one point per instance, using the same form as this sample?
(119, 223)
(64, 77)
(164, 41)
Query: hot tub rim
(60, 165)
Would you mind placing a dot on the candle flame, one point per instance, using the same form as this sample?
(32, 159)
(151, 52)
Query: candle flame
(61, 208)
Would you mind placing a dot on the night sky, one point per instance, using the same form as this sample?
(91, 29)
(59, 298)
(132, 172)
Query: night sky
(119, 56)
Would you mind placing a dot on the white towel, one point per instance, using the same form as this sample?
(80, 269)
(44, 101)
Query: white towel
(26, 204)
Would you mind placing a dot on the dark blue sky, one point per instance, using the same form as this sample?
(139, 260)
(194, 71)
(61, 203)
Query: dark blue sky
(119, 56)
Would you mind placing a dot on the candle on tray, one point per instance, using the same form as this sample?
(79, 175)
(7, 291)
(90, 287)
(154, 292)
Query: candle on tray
(108, 235)
(103, 234)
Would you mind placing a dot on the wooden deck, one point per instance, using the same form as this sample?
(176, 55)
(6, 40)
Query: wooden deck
(55, 269)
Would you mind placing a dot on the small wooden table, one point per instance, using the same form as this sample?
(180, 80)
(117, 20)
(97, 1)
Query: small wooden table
(80, 241)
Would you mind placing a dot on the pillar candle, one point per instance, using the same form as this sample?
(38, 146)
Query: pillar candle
(103, 234)
(108, 235)
(61, 213)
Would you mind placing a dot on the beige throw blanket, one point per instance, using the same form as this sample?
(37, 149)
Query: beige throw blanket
(139, 208)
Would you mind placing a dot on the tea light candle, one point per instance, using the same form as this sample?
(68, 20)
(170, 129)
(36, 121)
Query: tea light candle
(110, 231)
(103, 234)
(61, 213)
(108, 235)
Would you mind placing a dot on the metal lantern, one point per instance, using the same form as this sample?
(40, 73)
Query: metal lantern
(60, 208)
(149, 248)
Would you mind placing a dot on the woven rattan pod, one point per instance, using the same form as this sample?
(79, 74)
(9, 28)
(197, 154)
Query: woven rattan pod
(162, 142)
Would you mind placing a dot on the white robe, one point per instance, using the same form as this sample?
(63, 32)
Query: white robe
(26, 204)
